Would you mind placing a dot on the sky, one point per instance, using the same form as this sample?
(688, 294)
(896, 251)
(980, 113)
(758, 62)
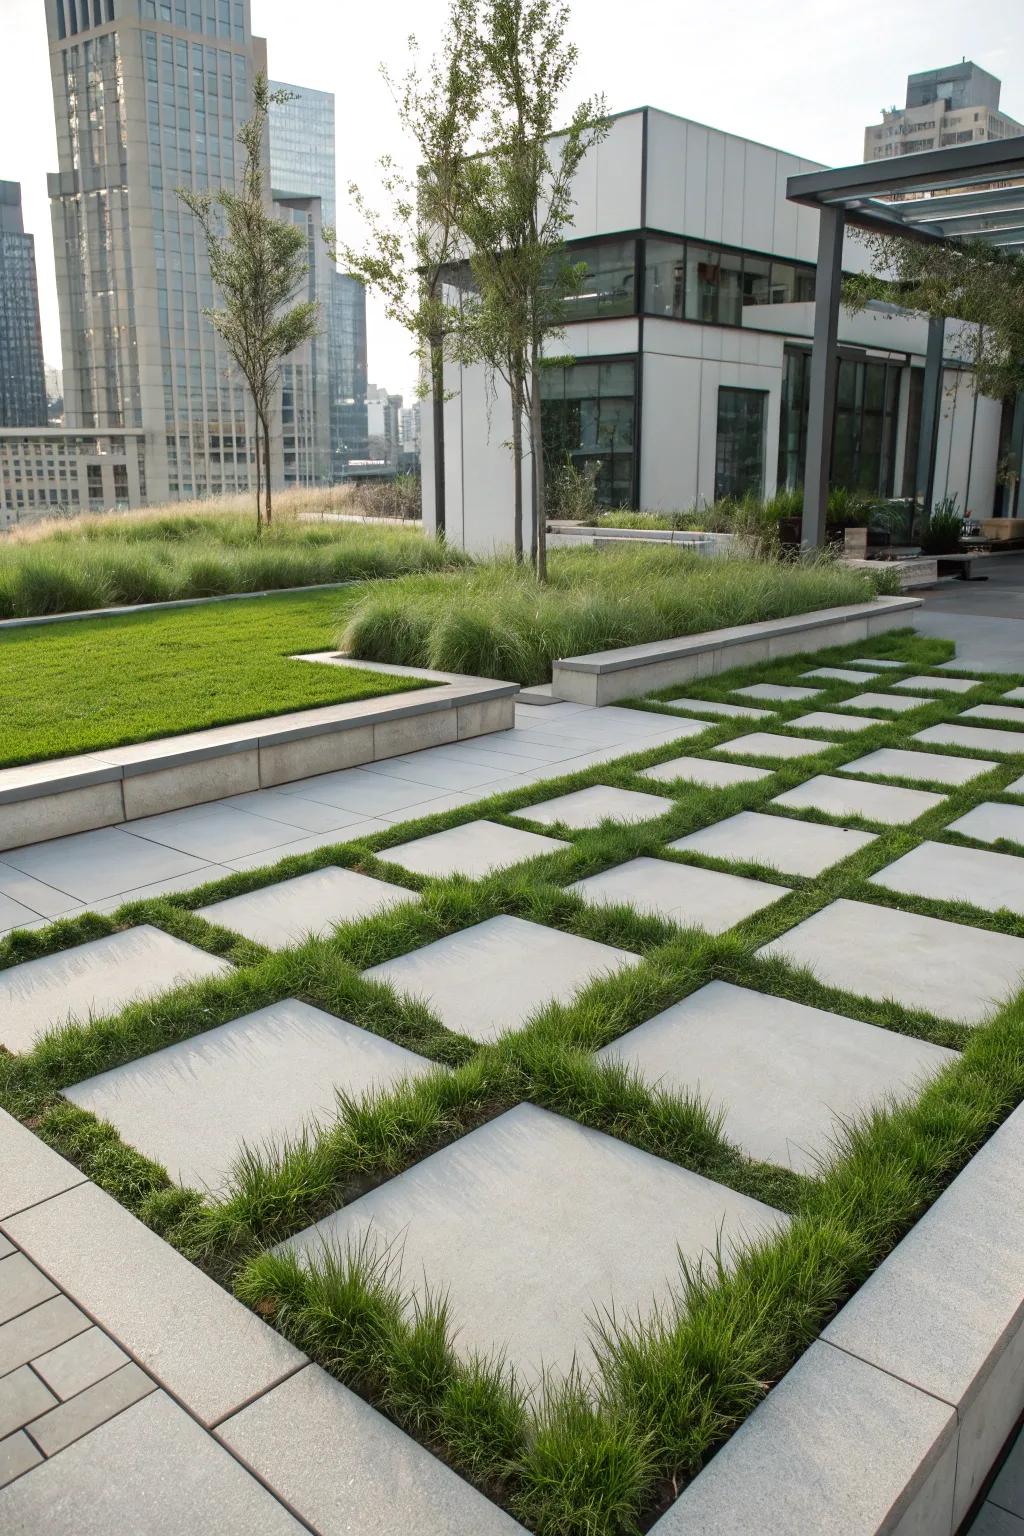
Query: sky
(804, 76)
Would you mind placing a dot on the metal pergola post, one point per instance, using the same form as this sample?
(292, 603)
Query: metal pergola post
(931, 401)
(821, 409)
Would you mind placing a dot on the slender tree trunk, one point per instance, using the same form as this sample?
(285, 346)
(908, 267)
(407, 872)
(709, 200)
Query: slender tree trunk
(256, 439)
(266, 460)
(539, 485)
(436, 345)
(517, 464)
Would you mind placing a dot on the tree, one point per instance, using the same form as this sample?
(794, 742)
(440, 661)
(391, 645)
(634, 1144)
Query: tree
(518, 200)
(257, 264)
(416, 245)
(972, 281)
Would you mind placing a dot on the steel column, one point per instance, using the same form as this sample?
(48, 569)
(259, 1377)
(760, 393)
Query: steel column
(931, 401)
(824, 370)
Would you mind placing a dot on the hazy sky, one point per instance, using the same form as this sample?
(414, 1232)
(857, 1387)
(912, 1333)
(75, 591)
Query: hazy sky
(803, 75)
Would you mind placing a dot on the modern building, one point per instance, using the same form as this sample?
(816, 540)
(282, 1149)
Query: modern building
(691, 340)
(51, 471)
(409, 438)
(302, 163)
(956, 105)
(383, 415)
(22, 377)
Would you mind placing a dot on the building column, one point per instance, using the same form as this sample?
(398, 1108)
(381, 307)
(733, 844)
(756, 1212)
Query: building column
(824, 369)
(931, 401)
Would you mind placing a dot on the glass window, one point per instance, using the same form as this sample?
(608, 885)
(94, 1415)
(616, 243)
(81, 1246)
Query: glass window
(589, 411)
(739, 452)
(714, 285)
(756, 280)
(664, 278)
(608, 286)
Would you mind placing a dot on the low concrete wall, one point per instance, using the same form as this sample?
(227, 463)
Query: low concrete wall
(569, 535)
(634, 670)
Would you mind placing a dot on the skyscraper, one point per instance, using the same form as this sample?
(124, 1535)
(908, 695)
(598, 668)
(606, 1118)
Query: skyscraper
(22, 378)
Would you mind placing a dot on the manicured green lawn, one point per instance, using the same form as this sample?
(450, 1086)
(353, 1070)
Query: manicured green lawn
(80, 686)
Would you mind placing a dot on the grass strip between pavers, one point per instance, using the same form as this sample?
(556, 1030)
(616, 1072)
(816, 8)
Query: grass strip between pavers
(601, 1456)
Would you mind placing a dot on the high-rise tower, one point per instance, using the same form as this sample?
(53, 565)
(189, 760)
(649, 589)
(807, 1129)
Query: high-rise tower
(22, 377)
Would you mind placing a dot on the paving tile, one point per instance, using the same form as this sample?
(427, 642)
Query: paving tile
(922, 683)
(832, 1449)
(94, 979)
(293, 810)
(679, 893)
(794, 847)
(840, 675)
(559, 1220)
(1014, 696)
(885, 803)
(765, 744)
(71, 1420)
(474, 849)
(14, 915)
(358, 790)
(974, 738)
(216, 832)
(191, 882)
(33, 1333)
(36, 897)
(589, 807)
(255, 1080)
(828, 720)
(1016, 788)
(871, 663)
(1014, 713)
(345, 1469)
(949, 969)
(743, 1050)
(783, 693)
(17, 1454)
(440, 802)
(489, 979)
(283, 914)
(703, 770)
(1008, 1489)
(196, 1339)
(92, 865)
(21, 1286)
(944, 872)
(86, 1358)
(993, 1521)
(917, 767)
(32, 1171)
(716, 707)
(22, 1397)
(369, 827)
(891, 703)
(440, 772)
(151, 1471)
(991, 822)
(6, 1247)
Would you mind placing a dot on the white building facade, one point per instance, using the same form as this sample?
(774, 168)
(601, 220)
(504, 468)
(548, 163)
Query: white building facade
(690, 341)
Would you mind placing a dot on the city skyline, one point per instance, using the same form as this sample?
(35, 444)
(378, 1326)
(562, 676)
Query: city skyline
(795, 109)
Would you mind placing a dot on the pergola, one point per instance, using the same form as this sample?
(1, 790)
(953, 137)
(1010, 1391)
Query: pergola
(926, 196)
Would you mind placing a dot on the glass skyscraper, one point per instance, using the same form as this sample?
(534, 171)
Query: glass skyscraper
(22, 377)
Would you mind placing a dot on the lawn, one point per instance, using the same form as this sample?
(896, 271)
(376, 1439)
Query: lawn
(92, 683)
(569, 1461)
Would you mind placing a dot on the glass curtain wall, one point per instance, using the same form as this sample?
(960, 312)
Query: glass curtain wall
(708, 284)
(739, 446)
(589, 420)
(864, 438)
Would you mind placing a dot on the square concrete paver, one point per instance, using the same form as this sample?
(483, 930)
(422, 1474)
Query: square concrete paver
(283, 914)
(703, 770)
(489, 979)
(1014, 713)
(744, 1051)
(1016, 788)
(871, 663)
(475, 849)
(884, 803)
(782, 693)
(95, 979)
(92, 865)
(892, 703)
(945, 872)
(256, 1080)
(974, 738)
(828, 720)
(917, 767)
(840, 675)
(534, 1225)
(948, 969)
(991, 822)
(589, 807)
(922, 683)
(216, 832)
(716, 707)
(794, 847)
(679, 893)
(766, 744)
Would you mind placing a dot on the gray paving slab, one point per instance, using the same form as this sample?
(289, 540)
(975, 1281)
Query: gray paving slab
(151, 1471)
(21, 1286)
(190, 882)
(475, 849)
(6, 1247)
(93, 865)
(492, 977)
(949, 969)
(1013, 713)
(992, 822)
(704, 770)
(974, 738)
(217, 832)
(1014, 696)
(32, 895)
(17, 1455)
(840, 674)
(780, 842)
(891, 703)
(1016, 788)
(310, 844)
(836, 1447)
(876, 663)
(743, 1050)
(283, 914)
(782, 693)
(559, 1220)
(14, 915)
(717, 707)
(917, 767)
(885, 803)
(346, 1469)
(22, 1397)
(601, 802)
(357, 790)
(32, 1333)
(435, 773)
(767, 744)
(32, 1171)
(70, 1420)
(680, 893)
(94, 979)
(195, 1338)
(993, 1521)
(924, 683)
(256, 1081)
(1008, 1489)
(73, 1366)
(829, 720)
(945, 872)
(293, 810)
(944, 1310)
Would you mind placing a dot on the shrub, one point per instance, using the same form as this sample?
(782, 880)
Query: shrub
(942, 533)
(400, 497)
(573, 492)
